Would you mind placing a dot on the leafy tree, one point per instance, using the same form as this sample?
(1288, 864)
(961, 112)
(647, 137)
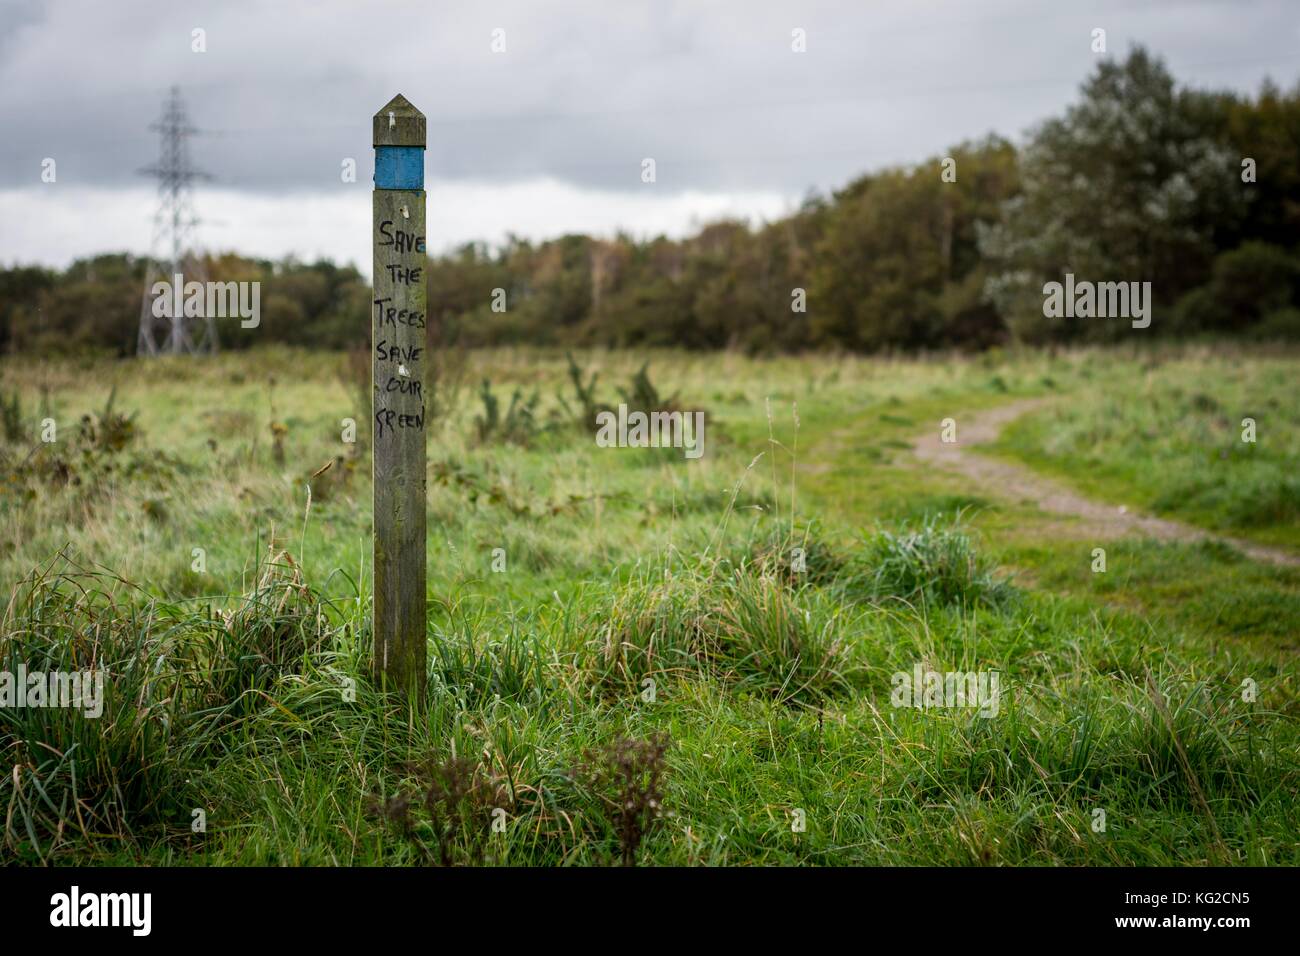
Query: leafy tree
(1123, 187)
(1137, 181)
(894, 263)
(21, 289)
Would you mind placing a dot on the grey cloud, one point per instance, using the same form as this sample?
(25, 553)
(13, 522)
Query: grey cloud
(584, 91)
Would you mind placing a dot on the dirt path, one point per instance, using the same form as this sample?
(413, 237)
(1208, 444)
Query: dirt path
(1010, 480)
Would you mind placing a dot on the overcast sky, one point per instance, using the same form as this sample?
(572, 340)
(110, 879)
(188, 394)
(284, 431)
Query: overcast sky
(548, 136)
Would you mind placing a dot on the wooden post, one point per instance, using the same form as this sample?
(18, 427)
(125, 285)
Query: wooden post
(398, 343)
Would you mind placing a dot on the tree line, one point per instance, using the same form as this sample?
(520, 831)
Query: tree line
(1139, 180)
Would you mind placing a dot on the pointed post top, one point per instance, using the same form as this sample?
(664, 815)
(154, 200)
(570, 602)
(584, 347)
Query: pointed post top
(399, 124)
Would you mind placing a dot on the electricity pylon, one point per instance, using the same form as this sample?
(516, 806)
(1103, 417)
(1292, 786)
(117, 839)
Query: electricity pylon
(173, 240)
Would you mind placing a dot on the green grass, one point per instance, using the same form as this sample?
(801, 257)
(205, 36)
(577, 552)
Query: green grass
(642, 595)
(1168, 437)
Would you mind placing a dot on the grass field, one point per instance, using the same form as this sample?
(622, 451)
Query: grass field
(628, 660)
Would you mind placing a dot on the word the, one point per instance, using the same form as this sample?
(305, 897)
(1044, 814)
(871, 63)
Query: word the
(218, 300)
(924, 689)
(655, 430)
(1102, 300)
(103, 909)
(78, 690)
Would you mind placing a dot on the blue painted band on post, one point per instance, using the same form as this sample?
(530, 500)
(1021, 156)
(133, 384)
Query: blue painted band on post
(399, 167)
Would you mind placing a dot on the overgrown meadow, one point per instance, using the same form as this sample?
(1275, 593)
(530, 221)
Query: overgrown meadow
(636, 658)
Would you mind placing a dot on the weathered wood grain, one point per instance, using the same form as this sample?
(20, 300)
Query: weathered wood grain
(398, 341)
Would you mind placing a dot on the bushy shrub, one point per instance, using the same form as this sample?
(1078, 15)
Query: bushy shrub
(111, 764)
(1280, 324)
(935, 563)
(1254, 282)
(174, 676)
(742, 625)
